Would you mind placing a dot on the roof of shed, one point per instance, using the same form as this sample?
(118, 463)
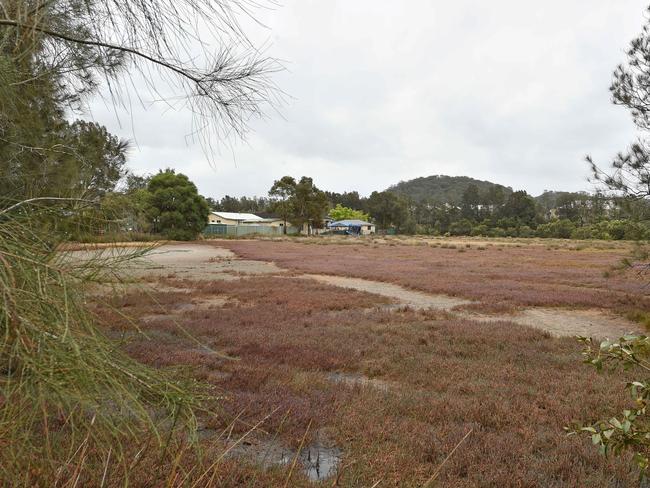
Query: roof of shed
(238, 216)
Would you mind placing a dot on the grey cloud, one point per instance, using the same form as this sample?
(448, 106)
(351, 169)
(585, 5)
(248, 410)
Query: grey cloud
(511, 91)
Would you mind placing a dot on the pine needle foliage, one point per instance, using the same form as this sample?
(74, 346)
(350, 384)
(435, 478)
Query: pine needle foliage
(72, 404)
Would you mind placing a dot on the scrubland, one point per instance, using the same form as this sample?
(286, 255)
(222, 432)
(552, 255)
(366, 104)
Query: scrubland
(498, 273)
(393, 389)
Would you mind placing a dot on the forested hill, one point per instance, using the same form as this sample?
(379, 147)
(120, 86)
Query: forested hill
(440, 188)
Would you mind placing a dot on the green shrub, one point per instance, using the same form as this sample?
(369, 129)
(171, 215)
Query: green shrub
(630, 430)
(558, 229)
(480, 230)
(525, 231)
(497, 232)
(616, 229)
(461, 228)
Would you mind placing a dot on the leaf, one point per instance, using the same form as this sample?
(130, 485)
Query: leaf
(615, 422)
(626, 426)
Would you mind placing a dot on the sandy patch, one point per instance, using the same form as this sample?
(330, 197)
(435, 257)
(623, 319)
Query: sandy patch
(559, 322)
(183, 261)
(401, 295)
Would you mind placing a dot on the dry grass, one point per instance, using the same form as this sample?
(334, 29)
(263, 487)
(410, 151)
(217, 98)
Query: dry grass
(515, 387)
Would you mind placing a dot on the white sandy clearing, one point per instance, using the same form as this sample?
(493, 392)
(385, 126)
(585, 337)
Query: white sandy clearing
(201, 262)
(190, 261)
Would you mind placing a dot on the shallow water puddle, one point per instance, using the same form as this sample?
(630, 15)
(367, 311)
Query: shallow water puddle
(319, 460)
(357, 379)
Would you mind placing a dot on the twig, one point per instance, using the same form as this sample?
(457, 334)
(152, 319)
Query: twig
(110, 450)
(295, 459)
(439, 468)
(37, 199)
(340, 473)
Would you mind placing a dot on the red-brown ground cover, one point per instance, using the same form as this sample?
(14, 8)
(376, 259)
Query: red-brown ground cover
(519, 276)
(515, 387)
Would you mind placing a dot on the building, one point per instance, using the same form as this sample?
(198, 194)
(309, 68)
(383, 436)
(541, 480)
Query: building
(240, 224)
(234, 218)
(352, 227)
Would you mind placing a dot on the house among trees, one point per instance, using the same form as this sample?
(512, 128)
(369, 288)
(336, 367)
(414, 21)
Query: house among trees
(352, 227)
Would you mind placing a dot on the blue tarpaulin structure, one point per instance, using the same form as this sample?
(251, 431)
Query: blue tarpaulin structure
(354, 227)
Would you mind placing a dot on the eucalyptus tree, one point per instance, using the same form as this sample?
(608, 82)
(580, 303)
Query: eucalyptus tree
(282, 195)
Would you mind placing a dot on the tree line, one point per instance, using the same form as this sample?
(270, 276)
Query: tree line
(491, 212)
(168, 204)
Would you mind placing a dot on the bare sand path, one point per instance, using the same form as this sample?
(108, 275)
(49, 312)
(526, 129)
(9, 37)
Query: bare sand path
(562, 322)
(403, 296)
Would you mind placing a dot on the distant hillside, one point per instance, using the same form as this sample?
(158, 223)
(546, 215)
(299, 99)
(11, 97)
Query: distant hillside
(447, 189)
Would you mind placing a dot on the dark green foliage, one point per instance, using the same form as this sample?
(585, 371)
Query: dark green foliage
(496, 212)
(309, 204)
(242, 204)
(462, 227)
(41, 153)
(281, 194)
(520, 207)
(176, 209)
(387, 209)
(470, 202)
(446, 189)
(561, 229)
(76, 160)
(347, 199)
(299, 202)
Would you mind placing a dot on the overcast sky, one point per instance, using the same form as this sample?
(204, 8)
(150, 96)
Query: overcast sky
(511, 91)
